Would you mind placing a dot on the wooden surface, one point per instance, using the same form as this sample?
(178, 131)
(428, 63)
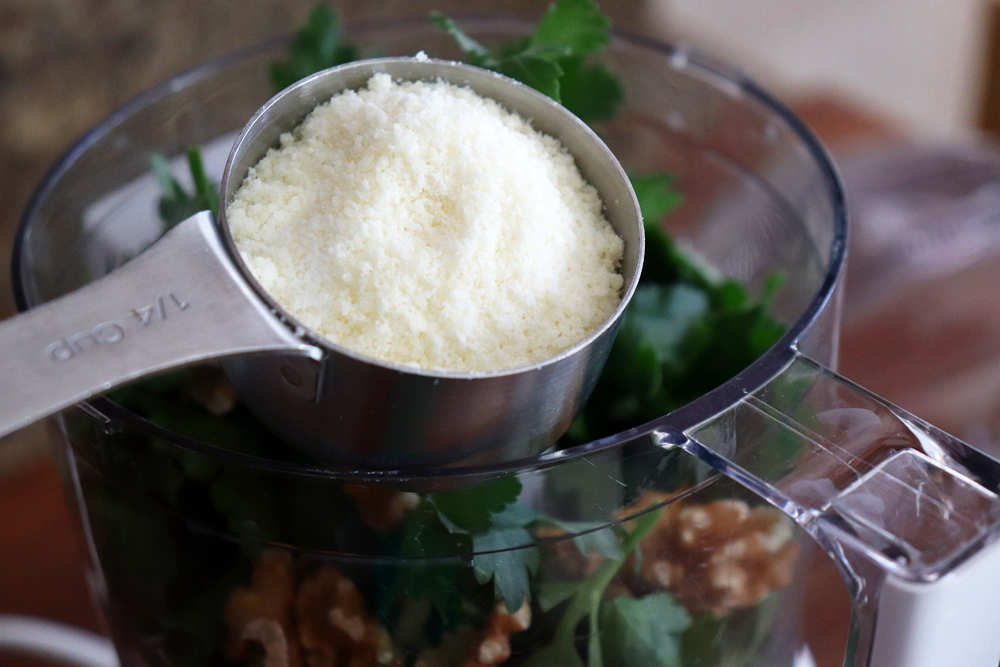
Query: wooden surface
(41, 570)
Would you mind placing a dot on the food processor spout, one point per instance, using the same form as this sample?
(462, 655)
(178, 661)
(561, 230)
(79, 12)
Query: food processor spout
(910, 514)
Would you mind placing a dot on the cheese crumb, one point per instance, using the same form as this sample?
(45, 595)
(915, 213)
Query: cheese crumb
(423, 225)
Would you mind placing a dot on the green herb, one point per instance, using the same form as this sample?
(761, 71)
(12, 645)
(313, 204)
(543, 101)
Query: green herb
(590, 90)
(507, 555)
(585, 598)
(684, 333)
(176, 203)
(643, 632)
(472, 510)
(317, 46)
(577, 25)
(127, 526)
(423, 540)
(552, 60)
(745, 632)
(488, 520)
(504, 550)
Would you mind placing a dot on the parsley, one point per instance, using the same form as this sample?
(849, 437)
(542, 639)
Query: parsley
(585, 602)
(497, 528)
(643, 631)
(423, 574)
(747, 631)
(316, 47)
(506, 555)
(552, 60)
(590, 90)
(176, 203)
(488, 521)
(577, 25)
(471, 510)
(684, 333)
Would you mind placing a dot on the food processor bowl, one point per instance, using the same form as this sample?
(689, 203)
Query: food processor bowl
(211, 542)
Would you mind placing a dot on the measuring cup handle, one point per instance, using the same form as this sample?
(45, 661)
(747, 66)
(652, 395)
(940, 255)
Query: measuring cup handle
(179, 302)
(909, 513)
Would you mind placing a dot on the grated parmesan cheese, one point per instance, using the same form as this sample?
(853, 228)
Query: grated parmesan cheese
(422, 225)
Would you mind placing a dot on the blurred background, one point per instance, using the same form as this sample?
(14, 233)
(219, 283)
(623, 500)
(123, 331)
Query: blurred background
(905, 93)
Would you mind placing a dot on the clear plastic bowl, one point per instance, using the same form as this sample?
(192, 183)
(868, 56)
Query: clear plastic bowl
(208, 540)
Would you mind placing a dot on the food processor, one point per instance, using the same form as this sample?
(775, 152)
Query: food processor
(210, 543)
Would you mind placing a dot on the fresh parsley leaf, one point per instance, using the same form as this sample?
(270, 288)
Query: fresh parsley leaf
(316, 47)
(746, 630)
(540, 73)
(643, 632)
(603, 541)
(422, 540)
(648, 355)
(656, 194)
(508, 560)
(663, 315)
(552, 59)
(551, 594)
(176, 203)
(471, 510)
(590, 90)
(685, 332)
(514, 556)
(503, 549)
(578, 25)
(664, 262)
(477, 54)
(584, 603)
(561, 654)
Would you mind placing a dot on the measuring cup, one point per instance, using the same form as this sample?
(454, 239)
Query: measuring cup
(909, 514)
(190, 297)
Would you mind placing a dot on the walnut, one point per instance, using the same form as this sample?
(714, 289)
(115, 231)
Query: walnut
(272, 637)
(715, 557)
(261, 613)
(487, 647)
(450, 651)
(492, 646)
(210, 388)
(322, 622)
(381, 508)
(334, 628)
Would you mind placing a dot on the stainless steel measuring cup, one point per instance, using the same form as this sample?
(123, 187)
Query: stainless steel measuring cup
(189, 298)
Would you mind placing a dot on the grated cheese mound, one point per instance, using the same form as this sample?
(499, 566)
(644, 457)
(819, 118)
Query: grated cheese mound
(423, 225)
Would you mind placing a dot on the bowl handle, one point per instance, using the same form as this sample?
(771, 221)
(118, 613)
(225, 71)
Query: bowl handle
(910, 514)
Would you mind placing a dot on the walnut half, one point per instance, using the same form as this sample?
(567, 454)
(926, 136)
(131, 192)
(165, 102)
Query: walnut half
(717, 556)
(261, 613)
(493, 645)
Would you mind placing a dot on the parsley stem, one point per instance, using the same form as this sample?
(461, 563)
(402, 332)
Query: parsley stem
(588, 601)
